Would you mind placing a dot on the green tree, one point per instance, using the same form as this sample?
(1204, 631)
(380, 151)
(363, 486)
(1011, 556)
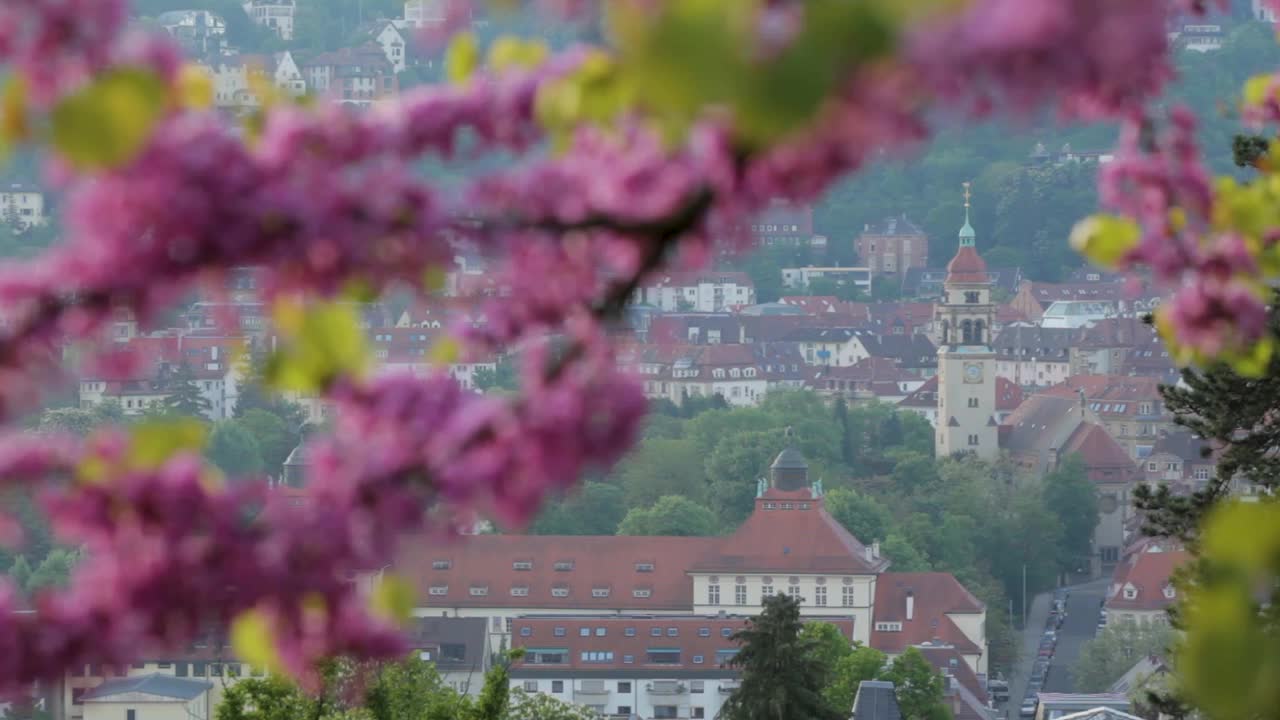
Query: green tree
(781, 678)
(596, 509)
(1117, 648)
(827, 645)
(670, 515)
(1070, 496)
(267, 698)
(918, 686)
(732, 469)
(254, 394)
(914, 471)
(661, 467)
(20, 573)
(234, 450)
(274, 437)
(185, 397)
(79, 421)
(54, 571)
(502, 377)
(861, 514)
(904, 556)
(862, 663)
(406, 690)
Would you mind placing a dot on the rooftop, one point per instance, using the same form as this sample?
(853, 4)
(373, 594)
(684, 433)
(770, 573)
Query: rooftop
(162, 686)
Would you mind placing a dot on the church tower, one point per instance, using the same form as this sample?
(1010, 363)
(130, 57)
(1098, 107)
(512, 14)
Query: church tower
(966, 362)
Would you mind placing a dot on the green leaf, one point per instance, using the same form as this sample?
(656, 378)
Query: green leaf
(108, 122)
(322, 342)
(1256, 89)
(1105, 240)
(154, 442)
(13, 115)
(462, 58)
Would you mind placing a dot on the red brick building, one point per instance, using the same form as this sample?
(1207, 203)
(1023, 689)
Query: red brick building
(893, 246)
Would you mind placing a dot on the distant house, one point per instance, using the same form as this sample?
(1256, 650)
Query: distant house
(706, 291)
(149, 697)
(893, 246)
(233, 78)
(393, 41)
(870, 379)
(1033, 356)
(1130, 408)
(926, 283)
(22, 205)
(1083, 706)
(357, 76)
(1047, 429)
(785, 223)
(1142, 587)
(199, 32)
(1034, 298)
(800, 277)
(278, 15)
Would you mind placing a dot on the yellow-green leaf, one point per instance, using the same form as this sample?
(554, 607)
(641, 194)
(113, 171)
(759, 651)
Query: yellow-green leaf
(152, 443)
(392, 598)
(194, 87)
(108, 122)
(462, 58)
(1256, 89)
(321, 343)
(253, 640)
(1105, 240)
(444, 351)
(13, 115)
(434, 279)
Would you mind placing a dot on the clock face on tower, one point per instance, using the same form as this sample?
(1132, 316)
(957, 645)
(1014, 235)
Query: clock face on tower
(972, 373)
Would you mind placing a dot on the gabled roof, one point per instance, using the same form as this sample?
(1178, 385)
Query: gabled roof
(1147, 573)
(1185, 445)
(1100, 713)
(908, 350)
(790, 532)
(1020, 340)
(1104, 459)
(893, 225)
(161, 686)
(934, 596)
(967, 693)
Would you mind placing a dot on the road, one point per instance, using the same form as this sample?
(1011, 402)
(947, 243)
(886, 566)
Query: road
(1079, 627)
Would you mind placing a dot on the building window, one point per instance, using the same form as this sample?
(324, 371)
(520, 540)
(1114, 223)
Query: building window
(820, 596)
(644, 567)
(531, 686)
(655, 632)
(971, 297)
(584, 632)
(624, 687)
(558, 632)
(507, 623)
(526, 631)
(596, 656)
(846, 596)
(1202, 473)
(130, 714)
(697, 659)
(794, 591)
(699, 712)
(624, 709)
(673, 632)
(713, 594)
(663, 656)
(557, 686)
(1130, 593)
(664, 712)
(600, 632)
(739, 594)
(726, 632)
(765, 592)
(973, 402)
(973, 440)
(704, 632)
(628, 659)
(629, 632)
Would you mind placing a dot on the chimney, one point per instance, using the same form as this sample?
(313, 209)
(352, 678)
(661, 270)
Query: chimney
(911, 605)
(875, 549)
(866, 552)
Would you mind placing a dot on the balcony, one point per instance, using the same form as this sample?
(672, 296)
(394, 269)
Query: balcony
(667, 687)
(587, 689)
(728, 686)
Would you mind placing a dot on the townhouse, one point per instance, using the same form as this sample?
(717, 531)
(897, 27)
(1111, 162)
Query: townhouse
(1142, 588)
(709, 291)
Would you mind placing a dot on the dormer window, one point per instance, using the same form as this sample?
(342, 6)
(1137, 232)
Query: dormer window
(1169, 592)
(479, 590)
(441, 565)
(564, 566)
(644, 567)
(522, 565)
(600, 592)
(560, 591)
(1130, 592)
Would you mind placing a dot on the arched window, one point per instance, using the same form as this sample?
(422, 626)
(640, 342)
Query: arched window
(946, 332)
(966, 332)
(978, 327)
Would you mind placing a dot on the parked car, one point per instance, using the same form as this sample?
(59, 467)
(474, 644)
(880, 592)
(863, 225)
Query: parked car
(1028, 709)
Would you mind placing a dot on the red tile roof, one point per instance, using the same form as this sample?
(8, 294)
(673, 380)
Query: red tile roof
(967, 701)
(935, 595)
(967, 267)
(1104, 459)
(1008, 395)
(640, 573)
(1147, 572)
(790, 532)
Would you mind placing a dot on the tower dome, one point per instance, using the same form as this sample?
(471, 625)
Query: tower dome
(789, 470)
(967, 266)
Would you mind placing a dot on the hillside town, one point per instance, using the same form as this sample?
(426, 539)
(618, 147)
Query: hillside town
(811, 398)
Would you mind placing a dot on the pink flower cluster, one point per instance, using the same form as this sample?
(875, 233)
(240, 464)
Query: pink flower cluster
(56, 44)
(1158, 179)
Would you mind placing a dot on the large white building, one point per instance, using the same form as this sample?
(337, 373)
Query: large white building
(790, 544)
(966, 417)
(22, 205)
(275, 14)
(710, 291)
